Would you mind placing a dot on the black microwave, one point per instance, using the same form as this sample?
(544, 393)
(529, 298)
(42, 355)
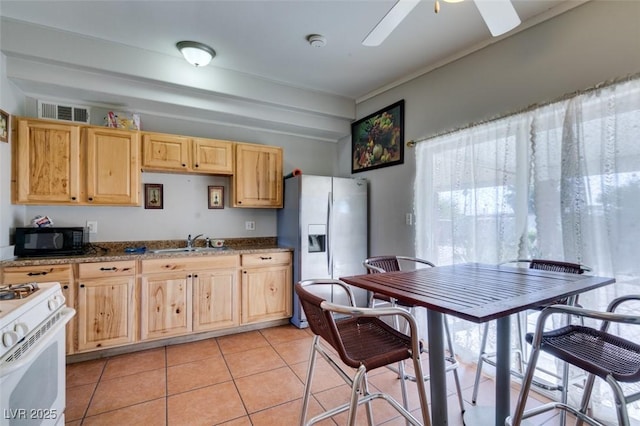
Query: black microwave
(49, 241)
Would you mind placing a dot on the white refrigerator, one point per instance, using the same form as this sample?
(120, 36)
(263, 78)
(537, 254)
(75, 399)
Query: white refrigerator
(325, 221)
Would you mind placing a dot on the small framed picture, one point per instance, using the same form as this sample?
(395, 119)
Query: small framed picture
(216, 197)
(4, 126)
(153, 196)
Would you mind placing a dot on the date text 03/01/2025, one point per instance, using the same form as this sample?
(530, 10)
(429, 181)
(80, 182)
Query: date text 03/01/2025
(29, 413)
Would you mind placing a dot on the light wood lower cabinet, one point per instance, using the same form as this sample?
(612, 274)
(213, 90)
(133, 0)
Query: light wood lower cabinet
(266, 286)
(166, 305)
(216, 303)
(47, 273)
(162, 298)
(186, 294)
(106, 304)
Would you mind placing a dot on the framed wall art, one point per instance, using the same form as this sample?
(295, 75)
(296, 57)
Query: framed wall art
(377, 140)
(153, 197)
(4, 126)
(216, 197)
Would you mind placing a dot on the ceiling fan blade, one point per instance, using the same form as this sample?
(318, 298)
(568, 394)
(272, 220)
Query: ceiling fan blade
(499, 15)
(389, 22)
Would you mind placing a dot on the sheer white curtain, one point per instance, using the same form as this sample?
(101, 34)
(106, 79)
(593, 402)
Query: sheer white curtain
(560, 181)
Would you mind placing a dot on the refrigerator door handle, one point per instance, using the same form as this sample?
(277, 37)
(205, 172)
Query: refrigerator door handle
(329, 215)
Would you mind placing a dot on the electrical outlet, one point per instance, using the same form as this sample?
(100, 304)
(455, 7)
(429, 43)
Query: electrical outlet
(92, 225)
(250, 225)
(409, 219)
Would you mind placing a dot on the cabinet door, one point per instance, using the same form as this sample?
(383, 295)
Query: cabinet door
(257, 180)
(266, 293)
(216, 301)
(113, 167)
(165, 152)
(105, 312)
(69, 295)
(213, 156)
(166, 305)
(47, 163)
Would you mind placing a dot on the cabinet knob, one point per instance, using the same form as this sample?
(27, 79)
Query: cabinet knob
(66, 287)
(81, 285)
(73, 198)
(90, 198)
(195, 276)
(197, 165)
(184, 165)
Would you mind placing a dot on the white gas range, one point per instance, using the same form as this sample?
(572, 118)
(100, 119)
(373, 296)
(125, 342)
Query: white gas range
(32, 353)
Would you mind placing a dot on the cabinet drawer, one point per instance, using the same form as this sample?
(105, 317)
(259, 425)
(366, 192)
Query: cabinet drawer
(43, 273)
(107, 269)
(266, 259)
(189, 264)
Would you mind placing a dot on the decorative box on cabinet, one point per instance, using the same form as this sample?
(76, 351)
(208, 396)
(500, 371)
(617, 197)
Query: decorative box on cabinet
(106, 304)
(266, 286)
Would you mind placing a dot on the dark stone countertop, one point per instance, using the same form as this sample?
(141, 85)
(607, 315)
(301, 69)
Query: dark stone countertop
(115, 251)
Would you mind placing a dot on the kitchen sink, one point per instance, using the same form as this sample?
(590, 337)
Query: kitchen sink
(206, 249)
(172, 250)
(187, 249)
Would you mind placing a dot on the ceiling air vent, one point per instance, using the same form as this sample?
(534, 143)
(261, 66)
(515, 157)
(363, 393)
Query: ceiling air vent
(77, 113)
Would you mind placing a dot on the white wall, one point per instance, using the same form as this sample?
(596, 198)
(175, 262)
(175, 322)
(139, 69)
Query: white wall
(12, 102)
(597, 41)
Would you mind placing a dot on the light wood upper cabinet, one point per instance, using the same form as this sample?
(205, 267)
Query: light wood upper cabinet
(106, 303)
(257, 180)
(75, 165)
(165, 152)
(46, 168)
(213, 156)
(113, 167)
(171, 153)
(266, 287)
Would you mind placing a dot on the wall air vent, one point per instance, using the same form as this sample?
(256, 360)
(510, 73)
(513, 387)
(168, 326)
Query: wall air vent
(76, 113)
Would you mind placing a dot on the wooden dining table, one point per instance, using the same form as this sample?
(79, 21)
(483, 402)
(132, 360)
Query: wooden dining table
(477, 293)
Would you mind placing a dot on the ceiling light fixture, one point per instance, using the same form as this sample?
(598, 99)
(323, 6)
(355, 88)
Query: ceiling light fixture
(197, 54)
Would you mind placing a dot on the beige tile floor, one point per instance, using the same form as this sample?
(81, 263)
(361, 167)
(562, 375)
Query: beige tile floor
(254, 378)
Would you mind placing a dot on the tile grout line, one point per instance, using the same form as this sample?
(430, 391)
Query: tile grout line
(166, 386)
(93, 394)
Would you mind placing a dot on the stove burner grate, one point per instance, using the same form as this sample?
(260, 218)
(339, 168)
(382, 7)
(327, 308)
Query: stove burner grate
(17, 291)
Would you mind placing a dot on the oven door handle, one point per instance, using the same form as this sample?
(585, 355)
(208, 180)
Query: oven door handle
(7, 368)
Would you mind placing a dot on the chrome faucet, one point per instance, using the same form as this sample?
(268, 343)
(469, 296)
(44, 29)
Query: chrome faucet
(190, 240)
